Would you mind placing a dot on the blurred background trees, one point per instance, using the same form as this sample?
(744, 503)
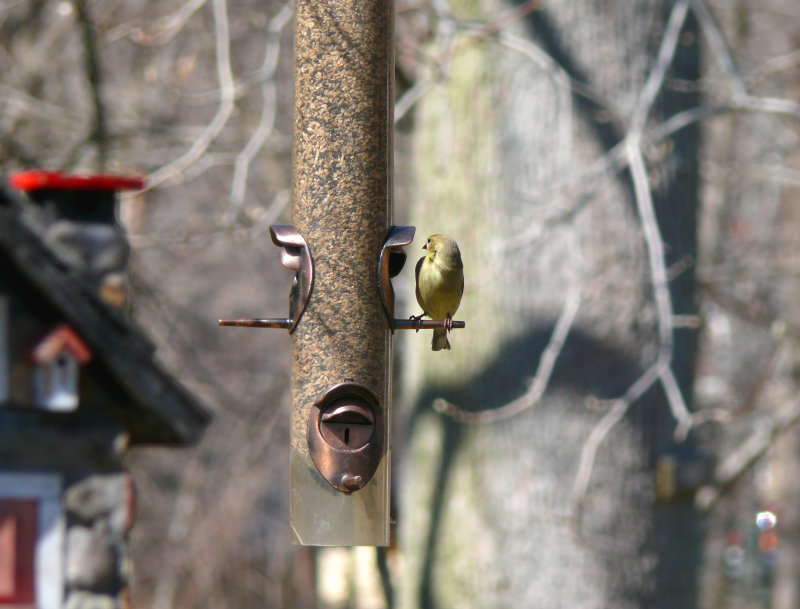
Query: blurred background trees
(623, 180)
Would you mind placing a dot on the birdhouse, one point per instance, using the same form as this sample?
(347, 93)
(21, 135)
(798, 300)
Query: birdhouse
(79, 385)
(56, 361)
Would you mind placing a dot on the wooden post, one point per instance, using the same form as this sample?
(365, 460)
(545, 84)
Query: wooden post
(343, 208)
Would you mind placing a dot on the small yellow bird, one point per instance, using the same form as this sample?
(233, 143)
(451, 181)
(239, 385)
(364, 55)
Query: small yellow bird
(440, 284)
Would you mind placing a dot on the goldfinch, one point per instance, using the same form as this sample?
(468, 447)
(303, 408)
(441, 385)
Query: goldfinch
(440, 284)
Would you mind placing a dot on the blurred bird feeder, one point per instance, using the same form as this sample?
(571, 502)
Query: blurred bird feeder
(344, 251)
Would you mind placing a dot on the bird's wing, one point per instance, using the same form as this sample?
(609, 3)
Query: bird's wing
(416, 277)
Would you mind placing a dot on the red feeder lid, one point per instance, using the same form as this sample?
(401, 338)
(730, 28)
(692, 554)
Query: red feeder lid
(29, 181)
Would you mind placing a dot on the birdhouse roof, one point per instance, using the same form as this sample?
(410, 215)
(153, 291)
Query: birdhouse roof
(62, 339)
(158, 409)
(31, 181)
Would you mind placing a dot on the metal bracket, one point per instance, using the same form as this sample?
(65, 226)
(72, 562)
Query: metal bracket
(391, 262)
(296, 257)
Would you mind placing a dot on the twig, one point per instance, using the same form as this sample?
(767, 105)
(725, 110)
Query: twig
(411, 97)
(644, 204)
(661, 369)
(271, 214)
(645, 207)
(717, 43)
(749, 103)
(15, 150)
(746, 455)
(502, 22)
(599, 433)
(539, 384)
(776, 64)
(588, 454)
(99, 134)
(678, 121)
(580, 188)
(41, 109)
(224, 110)
(655, 80)
(563, 84)
(742, 99)
(170, 25)
(477, 34)
(771, 105)
(659, 280)
(162, 31)
(268, 111)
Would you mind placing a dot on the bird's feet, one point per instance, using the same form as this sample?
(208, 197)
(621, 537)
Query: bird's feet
(417, 320)
(448, 323)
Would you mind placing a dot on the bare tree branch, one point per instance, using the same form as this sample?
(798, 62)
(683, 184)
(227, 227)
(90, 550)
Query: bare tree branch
(163, 30)
(477, 35)
(655, 80)
(659, 280)
(227, 94)
(717, 42)
(661, 369)
(746, 454)
(268, 111)
(99, 134)
(589, 452)
(539, 382)
(411, 97)
(629, 152)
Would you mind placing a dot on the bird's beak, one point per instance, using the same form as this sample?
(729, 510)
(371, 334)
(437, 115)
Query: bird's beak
(425, 246)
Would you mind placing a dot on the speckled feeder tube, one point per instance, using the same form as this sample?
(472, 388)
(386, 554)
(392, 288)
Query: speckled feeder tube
(343, 208)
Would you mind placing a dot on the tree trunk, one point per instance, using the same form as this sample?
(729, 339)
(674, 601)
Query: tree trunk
(493, 514)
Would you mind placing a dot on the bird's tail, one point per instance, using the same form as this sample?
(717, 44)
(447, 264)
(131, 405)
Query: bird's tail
(440, 340)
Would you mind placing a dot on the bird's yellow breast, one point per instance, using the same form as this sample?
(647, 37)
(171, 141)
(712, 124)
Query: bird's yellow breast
(440, 289)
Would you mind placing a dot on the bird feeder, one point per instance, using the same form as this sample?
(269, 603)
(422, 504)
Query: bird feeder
(344, 250)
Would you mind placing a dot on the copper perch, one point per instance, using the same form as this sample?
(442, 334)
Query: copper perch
(400, 324)
(425, 324)
(282, 323)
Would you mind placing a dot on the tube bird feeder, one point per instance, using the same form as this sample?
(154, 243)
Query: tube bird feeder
(341, 349)
(344, 251)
